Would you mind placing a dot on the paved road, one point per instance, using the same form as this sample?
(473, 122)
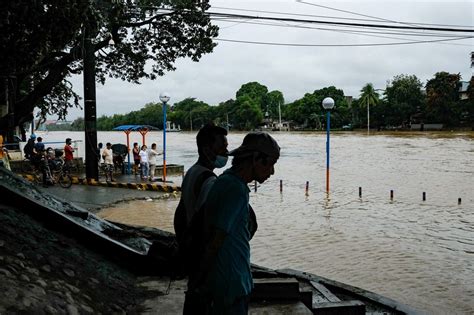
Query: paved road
(93, 198)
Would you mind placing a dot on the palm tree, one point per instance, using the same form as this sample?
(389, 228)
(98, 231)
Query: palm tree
(369, 97)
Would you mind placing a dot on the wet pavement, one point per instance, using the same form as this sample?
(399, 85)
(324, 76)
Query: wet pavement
(93, 198)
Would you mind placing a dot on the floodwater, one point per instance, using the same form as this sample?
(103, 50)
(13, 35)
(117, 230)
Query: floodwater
(418, 252)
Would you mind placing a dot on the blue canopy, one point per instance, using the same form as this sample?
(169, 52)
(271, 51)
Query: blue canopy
(135, 127)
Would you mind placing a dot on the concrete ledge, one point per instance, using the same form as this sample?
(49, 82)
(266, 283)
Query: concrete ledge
(138, 186)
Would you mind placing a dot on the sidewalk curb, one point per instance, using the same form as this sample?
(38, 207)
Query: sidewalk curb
(138, 186)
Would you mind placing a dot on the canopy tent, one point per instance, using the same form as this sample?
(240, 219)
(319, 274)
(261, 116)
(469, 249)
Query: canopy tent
(142, 129)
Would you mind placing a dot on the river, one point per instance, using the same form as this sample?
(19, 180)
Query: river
(418, 252)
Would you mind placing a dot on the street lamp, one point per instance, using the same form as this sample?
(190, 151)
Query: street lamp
(164, 98)
(328, 104)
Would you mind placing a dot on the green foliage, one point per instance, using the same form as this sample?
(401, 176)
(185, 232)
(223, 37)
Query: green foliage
(247, 114)
(43, 44)
(255, 91)
(404, 100)
(442, 98)
(309, 112)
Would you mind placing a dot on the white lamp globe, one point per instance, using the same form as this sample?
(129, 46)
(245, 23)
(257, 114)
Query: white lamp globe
(164, 97)
(328, 103)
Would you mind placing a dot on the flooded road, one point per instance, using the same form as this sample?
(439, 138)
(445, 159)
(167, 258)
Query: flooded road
(418, 252)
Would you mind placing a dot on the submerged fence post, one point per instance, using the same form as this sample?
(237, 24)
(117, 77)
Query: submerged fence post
(255, 186)
(424, 196)
(459, 201)
(360, 192)
(307, 188)
(391, 194)
(281, 186)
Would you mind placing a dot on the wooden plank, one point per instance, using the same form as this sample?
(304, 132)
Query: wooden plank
(324, 291)
(339, 308)
(284, 308)
(276, 288)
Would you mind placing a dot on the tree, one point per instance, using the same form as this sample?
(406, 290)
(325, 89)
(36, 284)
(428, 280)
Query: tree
(247, 113)
(42, 45)
(368, 97)
(256, 91)
(442, 98)
(271, 101)
(404, 99)
(309, 112)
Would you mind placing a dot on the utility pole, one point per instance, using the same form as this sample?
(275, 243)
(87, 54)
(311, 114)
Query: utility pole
(279, 116)
(90, 112)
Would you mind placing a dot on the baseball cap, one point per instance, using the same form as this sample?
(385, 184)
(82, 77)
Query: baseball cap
(258, 142)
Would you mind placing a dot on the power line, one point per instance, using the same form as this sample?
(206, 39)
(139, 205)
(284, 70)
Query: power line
(339, 45)
(354, 13)
(332, 17)
(362, 32)
(440, 29)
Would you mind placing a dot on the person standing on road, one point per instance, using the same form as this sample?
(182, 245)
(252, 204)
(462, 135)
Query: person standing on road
(225, 278)
(29, 146)
(136, 157)
(108, 156)
(68, 154)
(152, 155)
(212, 149)
(40, 161)
(144, 163)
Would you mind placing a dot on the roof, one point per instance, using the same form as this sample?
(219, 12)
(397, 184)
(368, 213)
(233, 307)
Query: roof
(135, 127)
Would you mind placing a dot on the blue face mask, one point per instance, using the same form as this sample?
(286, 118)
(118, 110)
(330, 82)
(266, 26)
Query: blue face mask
(220, 161)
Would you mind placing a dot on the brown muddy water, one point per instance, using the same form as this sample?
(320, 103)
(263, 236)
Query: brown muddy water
(418, 252)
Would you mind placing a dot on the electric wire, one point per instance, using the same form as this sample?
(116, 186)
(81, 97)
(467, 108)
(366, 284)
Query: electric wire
(339, 45)
(382, 26)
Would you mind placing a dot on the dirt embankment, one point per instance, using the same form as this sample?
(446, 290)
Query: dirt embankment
(44, 272)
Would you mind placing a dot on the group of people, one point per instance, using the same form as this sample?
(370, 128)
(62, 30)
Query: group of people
(43, 158)
(214, 221)
(145, 161)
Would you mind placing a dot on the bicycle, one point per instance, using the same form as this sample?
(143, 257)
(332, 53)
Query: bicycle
(58, 175)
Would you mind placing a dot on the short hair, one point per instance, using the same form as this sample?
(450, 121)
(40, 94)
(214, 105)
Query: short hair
(108, 143)
(153, 145)
(207, 135)
(68, 139)
(39, 139)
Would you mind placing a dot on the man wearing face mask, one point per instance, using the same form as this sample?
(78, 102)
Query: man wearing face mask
(212, 148)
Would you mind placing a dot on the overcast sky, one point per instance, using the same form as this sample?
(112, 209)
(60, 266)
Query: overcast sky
(298, 70)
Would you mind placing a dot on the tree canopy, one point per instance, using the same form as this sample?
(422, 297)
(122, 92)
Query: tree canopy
(42, 46)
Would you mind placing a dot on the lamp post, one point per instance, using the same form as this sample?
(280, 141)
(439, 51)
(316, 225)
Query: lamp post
(328, 104)
(164, 98)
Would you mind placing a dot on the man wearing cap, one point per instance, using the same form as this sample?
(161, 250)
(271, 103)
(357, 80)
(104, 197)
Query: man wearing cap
(225, 266)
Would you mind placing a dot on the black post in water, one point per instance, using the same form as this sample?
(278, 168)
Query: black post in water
(459, 201)
(424, 196)
(307, 188)
(281, 186)
(90, 113)
(391, 194)
(255, 186)
(360, 192)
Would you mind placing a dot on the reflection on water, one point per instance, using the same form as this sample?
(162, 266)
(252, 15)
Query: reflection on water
(418, 252)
